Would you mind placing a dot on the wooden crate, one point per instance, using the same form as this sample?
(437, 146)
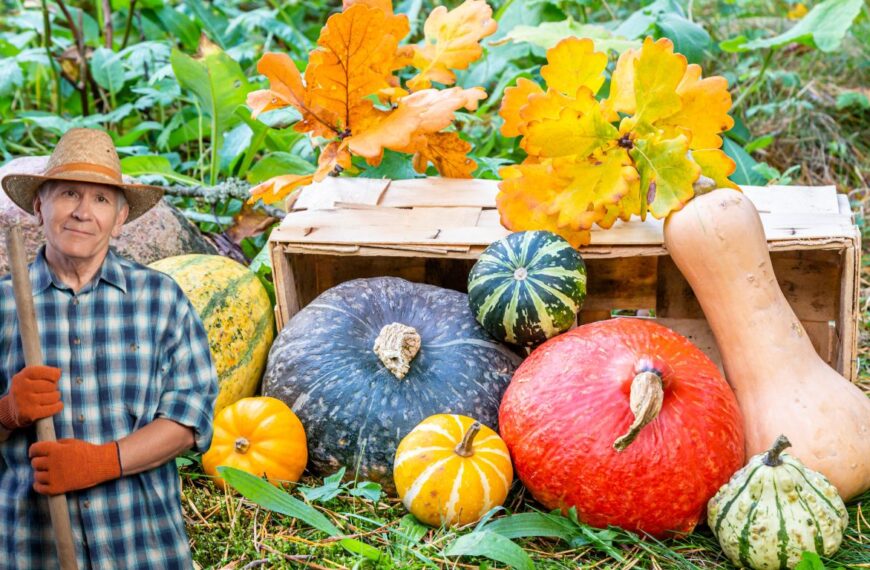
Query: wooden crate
(432, 231)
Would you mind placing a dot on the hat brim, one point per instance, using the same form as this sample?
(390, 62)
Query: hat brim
(22, 189)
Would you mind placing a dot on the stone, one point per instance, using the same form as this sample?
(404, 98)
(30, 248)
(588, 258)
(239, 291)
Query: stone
(161, 232)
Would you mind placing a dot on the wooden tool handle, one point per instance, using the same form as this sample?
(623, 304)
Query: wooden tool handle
(57, 504)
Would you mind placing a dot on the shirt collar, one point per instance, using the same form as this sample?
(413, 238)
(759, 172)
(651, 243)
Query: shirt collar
(41, 275)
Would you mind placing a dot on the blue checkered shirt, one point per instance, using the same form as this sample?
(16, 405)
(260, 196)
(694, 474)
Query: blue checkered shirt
(131, 348)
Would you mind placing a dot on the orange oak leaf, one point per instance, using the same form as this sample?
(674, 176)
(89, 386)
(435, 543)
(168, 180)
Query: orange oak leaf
(333, 159)
(384, 5)
(425, 111)
(704, 110)
(355, 58)
(451, 41)
(513, 100)
(447, 152)
(277, 188)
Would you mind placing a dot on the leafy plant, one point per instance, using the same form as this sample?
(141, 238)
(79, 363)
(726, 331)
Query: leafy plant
(351, 97)
(333, 487)
(639, 150)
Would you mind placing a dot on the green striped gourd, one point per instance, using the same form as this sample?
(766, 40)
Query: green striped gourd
(237, 315)
(774, 509)
(527, 287)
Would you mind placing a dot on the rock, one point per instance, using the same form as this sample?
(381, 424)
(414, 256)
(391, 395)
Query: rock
(161, 232)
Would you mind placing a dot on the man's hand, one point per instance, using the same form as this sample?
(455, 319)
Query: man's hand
(72, 464)
(33, 395)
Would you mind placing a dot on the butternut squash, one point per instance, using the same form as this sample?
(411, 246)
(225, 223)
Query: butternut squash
(781, 384)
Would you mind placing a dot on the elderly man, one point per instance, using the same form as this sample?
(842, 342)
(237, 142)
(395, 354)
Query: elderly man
(129, 381)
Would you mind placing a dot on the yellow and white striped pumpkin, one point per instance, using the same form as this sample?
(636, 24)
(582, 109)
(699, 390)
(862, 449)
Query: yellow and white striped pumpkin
(451, 470)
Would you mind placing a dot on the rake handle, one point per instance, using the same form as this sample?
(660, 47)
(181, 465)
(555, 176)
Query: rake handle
(60, 521)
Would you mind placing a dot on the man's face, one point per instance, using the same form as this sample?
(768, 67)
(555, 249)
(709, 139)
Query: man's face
(79, 218)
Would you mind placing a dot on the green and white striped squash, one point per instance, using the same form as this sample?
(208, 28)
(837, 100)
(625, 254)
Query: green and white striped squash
(527, 287)
(774, 509)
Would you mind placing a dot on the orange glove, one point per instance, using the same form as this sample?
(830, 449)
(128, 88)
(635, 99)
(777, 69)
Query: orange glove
(33, 395)
(72, 464)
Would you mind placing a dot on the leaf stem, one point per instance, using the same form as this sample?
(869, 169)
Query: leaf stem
(756, 82)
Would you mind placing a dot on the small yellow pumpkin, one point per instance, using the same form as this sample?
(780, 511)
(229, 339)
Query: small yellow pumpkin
(451, 470)
(260, 435)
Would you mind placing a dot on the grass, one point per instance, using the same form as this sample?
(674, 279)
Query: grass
(228, 531)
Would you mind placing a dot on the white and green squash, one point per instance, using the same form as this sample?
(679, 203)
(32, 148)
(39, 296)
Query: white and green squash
(774, 509)
(527, 287)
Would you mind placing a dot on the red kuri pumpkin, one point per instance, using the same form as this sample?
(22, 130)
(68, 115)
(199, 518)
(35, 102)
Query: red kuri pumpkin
(582, 395)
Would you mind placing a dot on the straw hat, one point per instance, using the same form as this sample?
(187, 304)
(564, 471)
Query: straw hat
(82, 155)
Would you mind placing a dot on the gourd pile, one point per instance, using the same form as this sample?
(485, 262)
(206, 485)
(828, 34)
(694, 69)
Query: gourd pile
(441, 397)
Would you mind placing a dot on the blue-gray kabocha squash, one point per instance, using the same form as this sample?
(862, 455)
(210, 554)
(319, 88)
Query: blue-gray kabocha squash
(527, 287)
(774, 509)
(368, 360)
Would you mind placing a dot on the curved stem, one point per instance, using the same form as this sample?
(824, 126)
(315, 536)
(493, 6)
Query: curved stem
(646, 400)
(754, 85)
(465, 447)
(242, 445)
(772, 457)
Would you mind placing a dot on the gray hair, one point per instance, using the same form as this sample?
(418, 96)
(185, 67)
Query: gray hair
(48, 187)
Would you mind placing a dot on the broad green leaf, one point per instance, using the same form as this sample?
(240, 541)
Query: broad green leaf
(177, 24)
(394, 165)
(358, 547)
(11, 77)
(262, 266)
(236, 141)
(852, 99)
(493, 546)
(810, 561)
(689, 38)
(279, 163)
(267, 495)
(367, 490)
(411, 531)
(136, 133)
(153, 165)
(745, 163)
(548, 34)
(759, 143)
(330, 489)
(524, 525)
(215, 78)
(215, 24)
(823, 27)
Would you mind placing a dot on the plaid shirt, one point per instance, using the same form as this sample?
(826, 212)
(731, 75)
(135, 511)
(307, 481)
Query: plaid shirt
(131, 348)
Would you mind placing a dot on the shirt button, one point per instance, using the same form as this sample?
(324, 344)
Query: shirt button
(75, 301)
(81, 417)
(78, 379)
(77, 341)
(86, 504)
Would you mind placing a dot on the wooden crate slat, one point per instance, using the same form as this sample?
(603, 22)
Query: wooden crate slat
(794, 199)
(324, 195)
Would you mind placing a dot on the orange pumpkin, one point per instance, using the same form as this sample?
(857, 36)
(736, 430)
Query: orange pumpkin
(451, 470)
(261, 436)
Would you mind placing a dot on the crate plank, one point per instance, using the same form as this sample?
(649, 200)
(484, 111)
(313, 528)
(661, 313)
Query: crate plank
(324, 195)
(623, 283)
(794, 199)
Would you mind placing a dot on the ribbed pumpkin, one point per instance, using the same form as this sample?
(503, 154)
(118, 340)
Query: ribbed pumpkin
(452, 470)
(625, 420)
(369, 359)
(261, 436)
(527, 287)
(774, 509)
(237, 314)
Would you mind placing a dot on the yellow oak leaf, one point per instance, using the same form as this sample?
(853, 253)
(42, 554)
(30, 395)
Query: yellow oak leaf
(451, 41)
(574, 63)
(658, 72)
(595, 183)
(277, 188)
(704, 110)
(514, 99)
(571, 133)
(425, 111)
(717, 165)
(525, 194)
(355, 58)
(666, 174)
(447, 152)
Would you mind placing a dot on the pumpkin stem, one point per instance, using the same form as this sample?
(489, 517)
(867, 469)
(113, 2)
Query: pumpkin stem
(242, 445)
(464, 447)
(703, 185)
(772, 458)
(646, 400)
(396, 346)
